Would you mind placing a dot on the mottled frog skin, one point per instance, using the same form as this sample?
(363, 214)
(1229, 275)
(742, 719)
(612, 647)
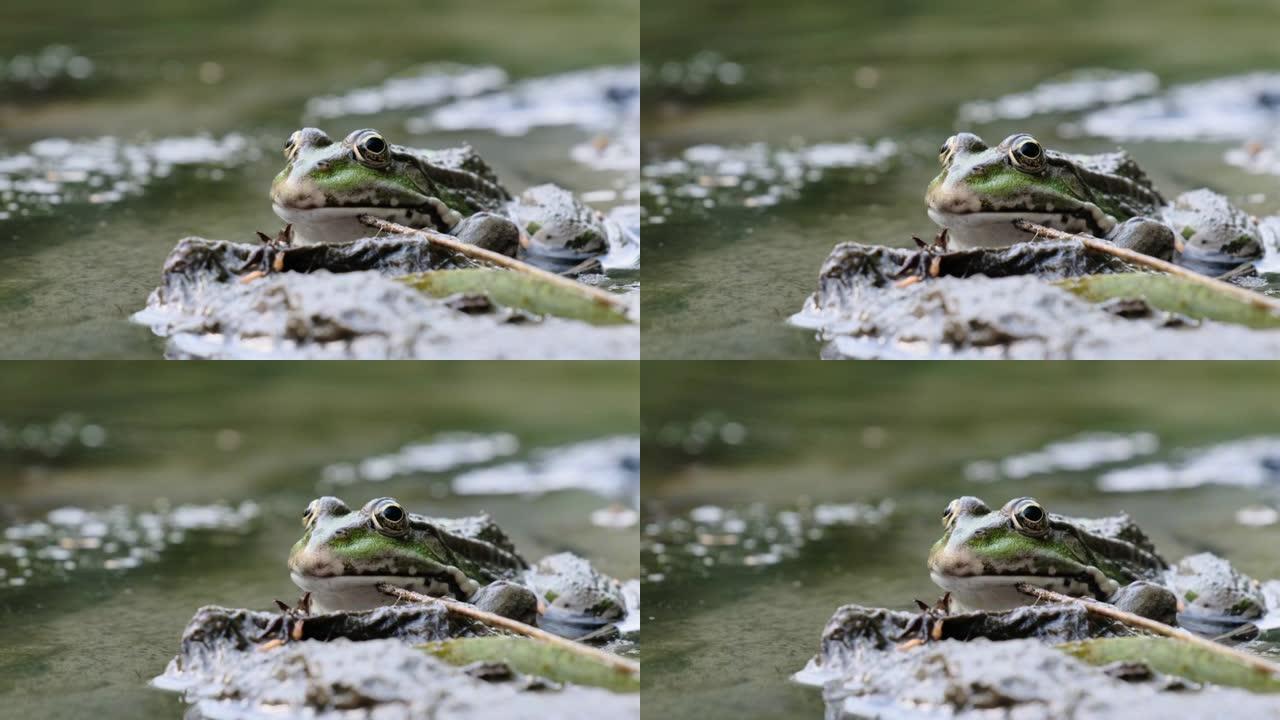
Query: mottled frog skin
(344, 554)
(983, 554)
(981, 189)
(325, 186)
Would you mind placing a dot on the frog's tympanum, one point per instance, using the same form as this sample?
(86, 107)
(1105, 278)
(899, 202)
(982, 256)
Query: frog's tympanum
(325, 186)
(982, 190)
(344, 554)
(983, 554)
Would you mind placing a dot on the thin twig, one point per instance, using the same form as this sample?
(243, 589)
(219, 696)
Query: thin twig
(478, 253)
(471, 611)
(1254, 299)
(1110, 611)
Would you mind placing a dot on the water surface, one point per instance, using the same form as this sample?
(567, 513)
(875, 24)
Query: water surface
(837, 480)
(725, 272)
(184, 486)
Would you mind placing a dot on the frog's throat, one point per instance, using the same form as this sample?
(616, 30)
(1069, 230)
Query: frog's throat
(999, 592)
(996, 229)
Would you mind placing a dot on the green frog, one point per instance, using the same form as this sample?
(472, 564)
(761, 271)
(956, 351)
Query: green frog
(983, 554)
(982, 189)
(325, 186)
(343, 555)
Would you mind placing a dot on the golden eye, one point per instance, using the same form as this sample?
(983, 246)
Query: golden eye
(369, 147)
(309, 515)
(1026, 153)
(389, 517)
(1028, 516)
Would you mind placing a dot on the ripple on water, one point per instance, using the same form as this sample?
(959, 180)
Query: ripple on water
(418, 87)
(1075, 454)
(70, 540)
(609, 467)
(442, 453)
(64, 434)
(1238, 107)
(1076, 90)
(55, 171)
(753, 176)
(596, 99)
(751, 536)
(1249, 462)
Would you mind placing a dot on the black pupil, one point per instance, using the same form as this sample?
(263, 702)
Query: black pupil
(375, 145)
(392, 513)
(1030, 149)
(1032, 513)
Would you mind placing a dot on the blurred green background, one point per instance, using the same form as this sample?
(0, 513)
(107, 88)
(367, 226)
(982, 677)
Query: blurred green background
(92, 436)
(71, 276)
(774, 440)
(724, 279)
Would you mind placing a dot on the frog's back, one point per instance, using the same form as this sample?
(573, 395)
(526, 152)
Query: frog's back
(1115, 540)
(1117, 176)
(479, 538)
(462, 158)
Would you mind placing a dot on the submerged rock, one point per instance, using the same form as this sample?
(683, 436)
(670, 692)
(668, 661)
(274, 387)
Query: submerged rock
(338, 301)
(997, 304)
(997, 665)
(359, 665)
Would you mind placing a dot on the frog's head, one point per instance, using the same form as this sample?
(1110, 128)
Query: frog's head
(981, 190)
(982, 555)
(343, 555)
(325, 186)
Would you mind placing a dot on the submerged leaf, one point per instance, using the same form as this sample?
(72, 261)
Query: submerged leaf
(518, 290)
(535, 658)
(1173, 294)
(1175, 657)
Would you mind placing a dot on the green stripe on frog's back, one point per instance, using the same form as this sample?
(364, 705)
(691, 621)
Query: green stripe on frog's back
(1112, 181)
(458, 177)
(1114, 545)
(476, 555)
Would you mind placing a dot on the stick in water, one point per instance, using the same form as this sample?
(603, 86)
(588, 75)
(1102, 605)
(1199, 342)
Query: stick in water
(1257, 300)
(620, 664)
(488, 256)
(1159, 628)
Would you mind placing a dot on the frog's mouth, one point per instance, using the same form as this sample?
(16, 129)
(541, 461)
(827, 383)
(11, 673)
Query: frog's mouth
(357, 592)
(999, 592)
(967, 230)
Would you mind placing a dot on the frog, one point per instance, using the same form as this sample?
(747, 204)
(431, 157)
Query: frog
(325, 186)
(981, 190)
(343, 555)
(983, 554)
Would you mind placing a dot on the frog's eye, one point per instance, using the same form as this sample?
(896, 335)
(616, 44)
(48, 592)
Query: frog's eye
(291, 146)
(1029, 516)
(1026, 154)
(370, 148)
(309, 515)
(389, 517)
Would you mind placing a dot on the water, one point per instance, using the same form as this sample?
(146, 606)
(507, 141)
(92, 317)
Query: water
(839, 480)
(723, 279)
(263, 440)
(83, 235)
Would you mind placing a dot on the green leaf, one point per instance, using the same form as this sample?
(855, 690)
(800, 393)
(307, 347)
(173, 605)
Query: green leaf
(535, 658)
(1172, 294)
(518, 290)
(1174, 657)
